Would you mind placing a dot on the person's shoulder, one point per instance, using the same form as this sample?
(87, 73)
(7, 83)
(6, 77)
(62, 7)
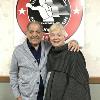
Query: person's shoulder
(18, 47)
(76, 57)
(76, 54)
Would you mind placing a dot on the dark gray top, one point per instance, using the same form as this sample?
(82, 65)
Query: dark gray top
(69, 77)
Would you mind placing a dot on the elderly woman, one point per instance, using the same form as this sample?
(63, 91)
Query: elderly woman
(69, 79)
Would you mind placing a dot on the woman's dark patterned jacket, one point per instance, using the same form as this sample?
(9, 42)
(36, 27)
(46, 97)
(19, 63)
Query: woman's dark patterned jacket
(69, 77)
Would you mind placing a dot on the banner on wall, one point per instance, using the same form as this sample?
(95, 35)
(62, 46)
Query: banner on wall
(70, 13)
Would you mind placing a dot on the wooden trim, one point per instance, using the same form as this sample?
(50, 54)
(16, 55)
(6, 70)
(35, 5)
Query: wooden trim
(93, 80)
(4, 79)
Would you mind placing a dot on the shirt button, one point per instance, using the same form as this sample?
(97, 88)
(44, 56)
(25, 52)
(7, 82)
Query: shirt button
(36, 93)
(35, 61)
(37, 82)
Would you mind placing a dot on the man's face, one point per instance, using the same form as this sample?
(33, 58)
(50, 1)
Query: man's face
(34, 34)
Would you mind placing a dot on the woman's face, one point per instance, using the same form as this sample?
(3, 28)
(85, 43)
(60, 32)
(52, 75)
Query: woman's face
(57, 38)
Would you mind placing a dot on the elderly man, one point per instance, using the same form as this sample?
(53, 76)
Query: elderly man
(28, 65)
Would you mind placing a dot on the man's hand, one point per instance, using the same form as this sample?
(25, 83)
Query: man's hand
(19, 98)
(73, 46)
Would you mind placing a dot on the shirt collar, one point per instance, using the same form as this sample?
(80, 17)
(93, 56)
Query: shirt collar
(30, 45)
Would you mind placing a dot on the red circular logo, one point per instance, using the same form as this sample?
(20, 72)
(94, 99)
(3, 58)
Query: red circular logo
(68, 12)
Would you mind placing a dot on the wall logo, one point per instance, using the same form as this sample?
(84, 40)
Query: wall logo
(67, 12)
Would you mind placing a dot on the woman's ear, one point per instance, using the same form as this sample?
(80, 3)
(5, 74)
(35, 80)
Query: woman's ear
(26, 32)
(65, 36)
(46, 36)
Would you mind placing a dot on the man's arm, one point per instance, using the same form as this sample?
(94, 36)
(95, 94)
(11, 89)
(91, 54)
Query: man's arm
(14, 76)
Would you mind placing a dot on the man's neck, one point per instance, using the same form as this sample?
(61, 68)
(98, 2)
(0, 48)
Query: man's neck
(36, 47)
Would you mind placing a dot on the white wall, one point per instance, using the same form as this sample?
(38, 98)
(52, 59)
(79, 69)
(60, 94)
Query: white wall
(92, 36)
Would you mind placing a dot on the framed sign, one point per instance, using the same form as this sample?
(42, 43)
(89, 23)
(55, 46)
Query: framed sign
(70, 13)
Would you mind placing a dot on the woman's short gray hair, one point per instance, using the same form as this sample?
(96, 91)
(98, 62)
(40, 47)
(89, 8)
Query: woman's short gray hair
(57, 26)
